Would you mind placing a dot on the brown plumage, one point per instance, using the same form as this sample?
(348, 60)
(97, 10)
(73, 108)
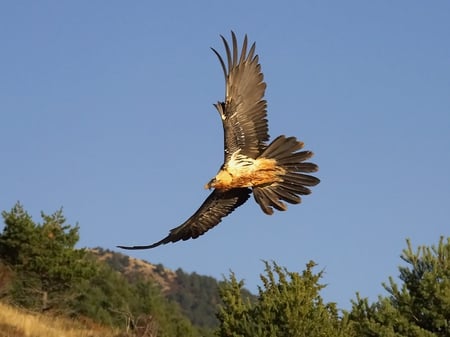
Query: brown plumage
(275, 173)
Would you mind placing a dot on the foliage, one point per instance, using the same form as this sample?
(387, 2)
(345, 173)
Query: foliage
(111, 299)
(43, 257)
(198, 297)
(41, 269)
(420, 307)
(49, 273)
(289, 304)
(193, 295)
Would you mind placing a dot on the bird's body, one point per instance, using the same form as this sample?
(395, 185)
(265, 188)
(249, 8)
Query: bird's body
(242, 171)
(274, 172)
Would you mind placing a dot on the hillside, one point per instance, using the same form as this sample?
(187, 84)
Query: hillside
(65, 291)
(42, 271)
(135, 269)
(20, 323)
(197, 295)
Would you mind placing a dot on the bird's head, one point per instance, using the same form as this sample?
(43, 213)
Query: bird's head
(211, 184)
(222, 181)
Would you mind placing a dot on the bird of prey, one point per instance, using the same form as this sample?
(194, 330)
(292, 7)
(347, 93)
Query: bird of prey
(274, 172)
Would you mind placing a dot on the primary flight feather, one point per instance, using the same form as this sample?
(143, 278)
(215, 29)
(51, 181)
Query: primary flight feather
(275, 172)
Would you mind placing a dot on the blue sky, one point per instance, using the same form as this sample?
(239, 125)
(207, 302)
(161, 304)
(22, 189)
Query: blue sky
(106, 110)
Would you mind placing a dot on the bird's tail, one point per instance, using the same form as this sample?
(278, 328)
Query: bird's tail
(293, 181)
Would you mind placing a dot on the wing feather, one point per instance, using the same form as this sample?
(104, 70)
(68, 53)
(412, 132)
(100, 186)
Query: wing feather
(244, 112)
(218, 205)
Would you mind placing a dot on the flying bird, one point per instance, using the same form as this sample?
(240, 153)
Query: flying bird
(275, 172)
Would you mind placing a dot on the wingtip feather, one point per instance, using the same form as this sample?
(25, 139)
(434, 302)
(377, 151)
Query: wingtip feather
(156, 244)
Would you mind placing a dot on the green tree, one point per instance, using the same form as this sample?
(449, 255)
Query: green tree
(288, 304)
(420, 307)
(42, 256)
(109, 298)
(50, 273)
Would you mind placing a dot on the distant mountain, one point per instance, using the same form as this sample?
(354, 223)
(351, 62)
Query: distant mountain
(136, 269)
(197, 295)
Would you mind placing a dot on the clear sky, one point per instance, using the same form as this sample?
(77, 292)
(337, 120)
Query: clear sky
(106, 110)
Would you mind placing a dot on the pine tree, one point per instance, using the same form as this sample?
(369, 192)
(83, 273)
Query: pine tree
(42, 255)
(50, 273)
(420, 307)
(288, 304)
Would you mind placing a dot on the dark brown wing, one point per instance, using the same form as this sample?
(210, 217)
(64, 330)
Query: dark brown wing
(243, 113)
(216, 206)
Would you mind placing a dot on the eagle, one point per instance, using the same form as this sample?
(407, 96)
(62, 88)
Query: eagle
(276, 172)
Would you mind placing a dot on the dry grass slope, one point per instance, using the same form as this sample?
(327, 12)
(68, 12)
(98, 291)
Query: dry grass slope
(17, 323)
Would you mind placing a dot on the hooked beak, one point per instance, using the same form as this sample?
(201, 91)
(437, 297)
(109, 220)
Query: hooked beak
(210, 184)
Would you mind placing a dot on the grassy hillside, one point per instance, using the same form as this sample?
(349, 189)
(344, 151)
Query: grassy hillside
(19, 323)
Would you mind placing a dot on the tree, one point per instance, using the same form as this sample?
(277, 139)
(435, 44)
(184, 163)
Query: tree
(420, 307)
(42, 255)
(289, 304)
(50, 273)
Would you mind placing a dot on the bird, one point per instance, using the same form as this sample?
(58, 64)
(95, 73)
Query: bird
(275, 172)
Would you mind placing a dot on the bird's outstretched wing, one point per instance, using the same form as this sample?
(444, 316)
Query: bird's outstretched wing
(243, 113)
(218, 205)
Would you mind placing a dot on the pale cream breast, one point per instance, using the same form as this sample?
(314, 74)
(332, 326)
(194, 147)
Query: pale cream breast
(242, 171)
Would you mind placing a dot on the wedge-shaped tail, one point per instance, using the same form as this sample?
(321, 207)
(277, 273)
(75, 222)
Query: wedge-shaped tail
(293, 182)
